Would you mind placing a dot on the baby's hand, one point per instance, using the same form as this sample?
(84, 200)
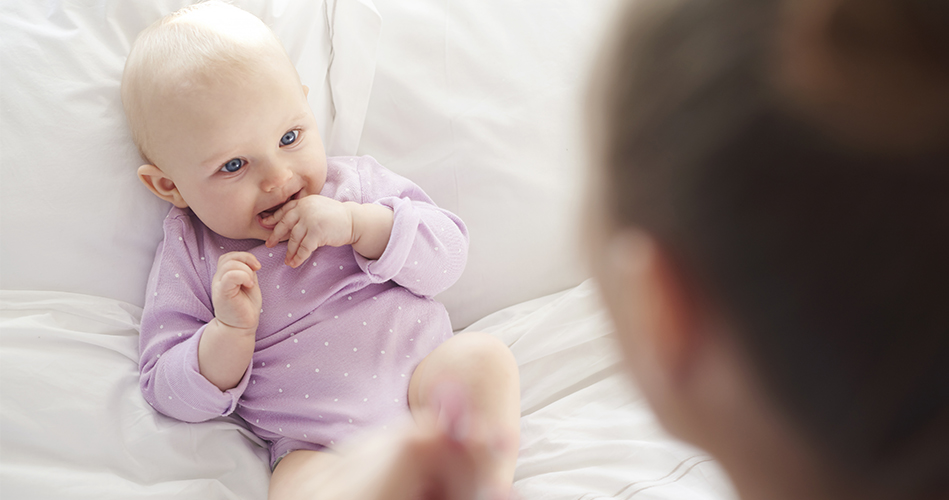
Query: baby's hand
(309, 223)
(235, 292)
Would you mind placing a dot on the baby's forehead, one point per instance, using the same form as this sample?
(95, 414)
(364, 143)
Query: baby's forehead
(201, 48)
(196, 72)
(209, 37)
(210, 92)
(207, 74)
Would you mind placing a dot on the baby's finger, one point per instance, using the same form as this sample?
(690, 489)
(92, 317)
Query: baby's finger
(280, 213)
(301, 244)
(287, 221)
(246, 258)
(286, 208)
(235, 280)
(238, 266)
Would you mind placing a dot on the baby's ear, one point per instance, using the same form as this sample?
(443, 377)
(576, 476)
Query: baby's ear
(160, 184)
(306, 91)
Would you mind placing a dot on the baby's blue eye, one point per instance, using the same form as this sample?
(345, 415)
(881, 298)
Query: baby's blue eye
(289, 138)
(233, 165)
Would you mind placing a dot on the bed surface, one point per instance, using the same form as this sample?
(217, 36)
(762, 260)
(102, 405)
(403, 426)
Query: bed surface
(73, 423)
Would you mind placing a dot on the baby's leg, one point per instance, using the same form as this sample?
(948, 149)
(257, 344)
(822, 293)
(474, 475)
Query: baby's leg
(409, 462)
(297, 475)
(485, 367)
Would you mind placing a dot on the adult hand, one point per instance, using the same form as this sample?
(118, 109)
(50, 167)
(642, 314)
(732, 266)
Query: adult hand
(444, 456)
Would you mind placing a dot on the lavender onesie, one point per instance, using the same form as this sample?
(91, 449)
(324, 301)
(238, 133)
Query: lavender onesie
(338, 338)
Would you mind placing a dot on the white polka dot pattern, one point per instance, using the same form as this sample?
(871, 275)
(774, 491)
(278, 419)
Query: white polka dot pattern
(325, 329)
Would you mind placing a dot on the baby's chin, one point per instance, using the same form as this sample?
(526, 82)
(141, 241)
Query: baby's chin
(260, 233)
(251, 232)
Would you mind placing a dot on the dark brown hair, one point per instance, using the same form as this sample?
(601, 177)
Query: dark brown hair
(827, 245)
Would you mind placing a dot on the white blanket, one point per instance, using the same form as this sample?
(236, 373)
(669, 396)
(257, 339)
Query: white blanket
(74, 425)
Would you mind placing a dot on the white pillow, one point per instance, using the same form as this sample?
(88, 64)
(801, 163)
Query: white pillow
(73, 215)
(479, 102)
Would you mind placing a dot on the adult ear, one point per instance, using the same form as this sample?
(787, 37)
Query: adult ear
(160, 184)
(670, 316)
(677, 316)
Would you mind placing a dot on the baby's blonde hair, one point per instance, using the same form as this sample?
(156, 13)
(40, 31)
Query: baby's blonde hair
(198, 45)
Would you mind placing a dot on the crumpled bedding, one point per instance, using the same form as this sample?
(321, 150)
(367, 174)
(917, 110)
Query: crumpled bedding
(74, 425)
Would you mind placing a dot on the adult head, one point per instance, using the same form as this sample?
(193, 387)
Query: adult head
(770, 227)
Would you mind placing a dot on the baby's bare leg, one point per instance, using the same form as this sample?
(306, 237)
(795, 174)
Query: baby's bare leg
(298, 475)
(410, 462)
(485, 367)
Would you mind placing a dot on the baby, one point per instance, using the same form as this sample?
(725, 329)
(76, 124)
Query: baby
(290, 288)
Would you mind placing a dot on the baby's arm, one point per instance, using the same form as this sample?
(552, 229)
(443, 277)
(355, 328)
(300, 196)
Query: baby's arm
(427, 246)
(372, 226)
(177, 324)
(227, 345)
(396, 231)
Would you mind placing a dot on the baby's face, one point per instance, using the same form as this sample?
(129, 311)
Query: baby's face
(237, 151)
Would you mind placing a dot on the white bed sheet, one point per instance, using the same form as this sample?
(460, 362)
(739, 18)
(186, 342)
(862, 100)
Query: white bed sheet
(73, 423)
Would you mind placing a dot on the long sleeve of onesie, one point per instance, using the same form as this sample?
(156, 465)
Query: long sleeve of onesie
(428, 247)
(177, 310)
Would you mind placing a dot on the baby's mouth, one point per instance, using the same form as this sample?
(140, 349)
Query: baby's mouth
(272, 210)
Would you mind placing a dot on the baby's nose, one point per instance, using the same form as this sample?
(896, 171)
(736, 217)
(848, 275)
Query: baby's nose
(276, 176)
